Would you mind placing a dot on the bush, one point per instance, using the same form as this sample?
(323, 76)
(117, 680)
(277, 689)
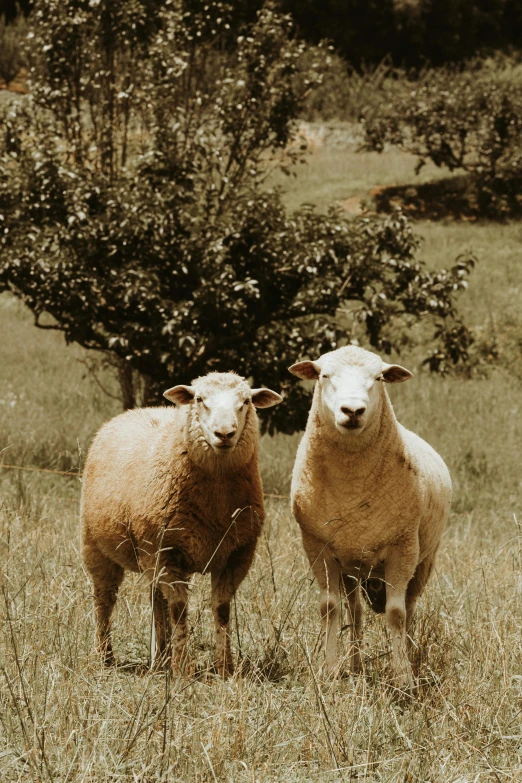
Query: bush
(469, 120)
(344, 91)
(134, 212)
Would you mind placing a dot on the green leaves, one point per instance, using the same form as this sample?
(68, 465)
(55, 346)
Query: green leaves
(134, 213)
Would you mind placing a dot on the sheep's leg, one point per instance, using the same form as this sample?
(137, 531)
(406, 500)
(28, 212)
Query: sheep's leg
(330, 600)
(417, 585)
(222, 593)
(175, 590)
(162, 627)
(353, 598)
(399, 567)
(327, 572)
(107, 578)
(224, 585)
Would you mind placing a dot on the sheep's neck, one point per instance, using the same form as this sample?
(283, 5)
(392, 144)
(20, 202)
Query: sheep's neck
(375, 438)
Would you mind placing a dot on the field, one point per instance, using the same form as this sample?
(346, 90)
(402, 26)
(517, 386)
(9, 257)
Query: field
(64, 718)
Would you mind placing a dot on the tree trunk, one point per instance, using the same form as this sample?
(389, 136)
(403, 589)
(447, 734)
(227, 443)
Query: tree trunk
(127, 384)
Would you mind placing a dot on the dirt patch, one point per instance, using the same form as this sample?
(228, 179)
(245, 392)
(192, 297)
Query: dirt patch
(353, 206)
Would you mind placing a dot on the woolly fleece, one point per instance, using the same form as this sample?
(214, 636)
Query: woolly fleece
(156, 499)
(371, 505)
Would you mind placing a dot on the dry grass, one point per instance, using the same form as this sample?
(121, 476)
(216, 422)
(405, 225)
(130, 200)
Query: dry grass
(63, 718)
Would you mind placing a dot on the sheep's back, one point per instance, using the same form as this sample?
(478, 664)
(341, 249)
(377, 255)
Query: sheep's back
(127, 447)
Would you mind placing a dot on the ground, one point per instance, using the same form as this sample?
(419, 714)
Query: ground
(64, 718)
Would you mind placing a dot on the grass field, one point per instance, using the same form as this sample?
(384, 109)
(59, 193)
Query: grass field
(64, 718)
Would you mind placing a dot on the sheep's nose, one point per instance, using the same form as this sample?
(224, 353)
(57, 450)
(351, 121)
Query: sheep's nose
(353, 412)
(224, 435)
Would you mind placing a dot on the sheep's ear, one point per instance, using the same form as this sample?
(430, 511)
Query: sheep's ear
(308, 371)
(394, 373)
(265, 398)
(181, 395)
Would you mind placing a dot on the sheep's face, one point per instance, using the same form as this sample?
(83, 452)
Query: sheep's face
(349, 386)
(222, 402)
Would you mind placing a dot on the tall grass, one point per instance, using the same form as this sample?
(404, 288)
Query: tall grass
(50, 404)
(64, 718)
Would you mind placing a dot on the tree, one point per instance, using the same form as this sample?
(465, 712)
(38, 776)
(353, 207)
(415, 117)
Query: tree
(135, 211)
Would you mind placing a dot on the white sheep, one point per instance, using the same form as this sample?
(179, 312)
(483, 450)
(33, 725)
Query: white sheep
(169, 492)
(371, 498)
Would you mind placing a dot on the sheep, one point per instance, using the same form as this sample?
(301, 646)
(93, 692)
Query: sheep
(371, 499)
(169, 492)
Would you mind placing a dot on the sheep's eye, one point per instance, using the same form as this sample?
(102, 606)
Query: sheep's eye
(324, 376)
(246, 402)
(199, 399)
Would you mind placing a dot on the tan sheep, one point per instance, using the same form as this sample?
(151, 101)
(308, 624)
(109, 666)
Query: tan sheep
(371, 498)
(169, 492)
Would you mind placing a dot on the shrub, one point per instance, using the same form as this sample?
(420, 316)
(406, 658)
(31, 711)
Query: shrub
(344, 91)
(134, 212)
(470, 120)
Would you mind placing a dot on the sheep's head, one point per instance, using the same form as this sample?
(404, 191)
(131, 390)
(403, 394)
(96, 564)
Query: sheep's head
(349, 385)
(221, 402)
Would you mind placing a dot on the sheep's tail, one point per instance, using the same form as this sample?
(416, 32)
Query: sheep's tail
(374, 591)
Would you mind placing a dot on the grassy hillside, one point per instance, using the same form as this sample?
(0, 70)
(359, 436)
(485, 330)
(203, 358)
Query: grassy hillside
(63, 718)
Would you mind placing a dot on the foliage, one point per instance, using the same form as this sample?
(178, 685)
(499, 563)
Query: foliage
(134, 212)
(449, 31)
(11, 54)
(411, 32)
(364, 32)
(261, 292)
(470, 120)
